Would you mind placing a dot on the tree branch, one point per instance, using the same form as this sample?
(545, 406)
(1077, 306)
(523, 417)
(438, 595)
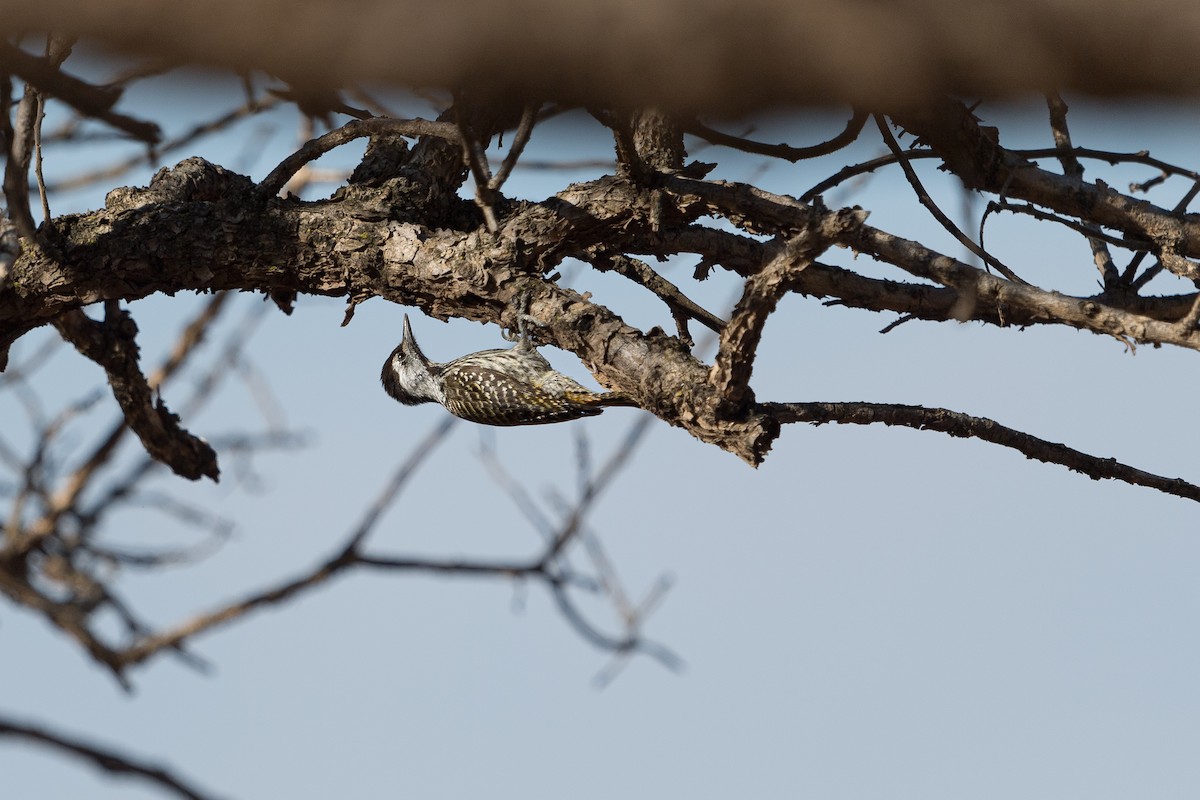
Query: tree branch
(112, 345)
(762, 55)
(965, 426)
(105, 759)
(793, 154)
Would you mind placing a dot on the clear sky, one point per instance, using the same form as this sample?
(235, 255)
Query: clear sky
(873, 613)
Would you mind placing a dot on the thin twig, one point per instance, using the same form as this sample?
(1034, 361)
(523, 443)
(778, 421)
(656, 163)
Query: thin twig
(249, 108)
(965, 426)
(937, 212)
(793, 154)
(475, 157)
(1072, 168)
(1093, 232)
(355, 129)
(105, 759)
(597, 485)
(89, 100)
(1110, 156)
(854, 170)
(528, 117)
(40, 112)
(399, 479)
(643, 274)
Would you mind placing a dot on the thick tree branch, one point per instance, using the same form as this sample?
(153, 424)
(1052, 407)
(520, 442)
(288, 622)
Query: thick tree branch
(762, 212)
(761, 54)
(973, 153)
(738, 346)
(225, 235)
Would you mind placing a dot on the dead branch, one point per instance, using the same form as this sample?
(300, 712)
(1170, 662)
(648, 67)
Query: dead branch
(102, 757)
(966, 426)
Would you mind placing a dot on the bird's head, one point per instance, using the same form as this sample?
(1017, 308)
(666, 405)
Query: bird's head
(408, 375)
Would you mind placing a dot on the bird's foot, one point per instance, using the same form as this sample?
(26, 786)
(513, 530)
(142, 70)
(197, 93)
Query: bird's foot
(524, 320)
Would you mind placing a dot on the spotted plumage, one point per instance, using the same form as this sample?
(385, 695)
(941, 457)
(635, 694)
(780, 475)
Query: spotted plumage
(493, 387)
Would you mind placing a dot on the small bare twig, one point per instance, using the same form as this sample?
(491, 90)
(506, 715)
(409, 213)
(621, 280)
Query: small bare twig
(91, 101)
(793, 154)
(863, 168)
(401, 477)
(734, 362)
(102, 757)
(1111, 157)
(475, 157)
(549, 565)
(18, 136)
(642, 273)
(86, 178)
(965, 426)
(1072, 168)
(528, 117)
(355, 129)
(937, 212)
(349, 555)
(1091, 231)
(111, 343)
(40, 112)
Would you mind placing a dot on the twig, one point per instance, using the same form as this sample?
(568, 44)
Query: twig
(595, 487)
(80, 479)
(111, 344)
(89, 100)
(854, 170)
(1110, 156)
(1093, 232)
(399, 479)
(548, 566)
(965, 426)
(349, 555)
(105, 759)
(643, 274)
(793, 154)
(1157, 267)
(475, 157)
(40, 112)
(937, 212)
(1073, 169)
(18, 136)
(355, 129)
(734, 362)
(528, 117)
(249, 108)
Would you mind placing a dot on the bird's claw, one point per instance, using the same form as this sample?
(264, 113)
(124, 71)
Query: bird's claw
(524, 319)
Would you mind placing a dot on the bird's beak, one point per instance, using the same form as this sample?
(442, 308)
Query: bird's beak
(408, 345)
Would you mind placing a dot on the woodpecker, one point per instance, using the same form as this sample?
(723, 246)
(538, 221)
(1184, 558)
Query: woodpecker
(492, 387)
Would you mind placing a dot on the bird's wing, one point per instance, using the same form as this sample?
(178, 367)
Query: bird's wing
(479, 394)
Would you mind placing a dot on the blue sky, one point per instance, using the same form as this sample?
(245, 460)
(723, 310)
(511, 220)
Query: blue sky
(872, 613)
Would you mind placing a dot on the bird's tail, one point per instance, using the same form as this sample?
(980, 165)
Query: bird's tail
(602, 399)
